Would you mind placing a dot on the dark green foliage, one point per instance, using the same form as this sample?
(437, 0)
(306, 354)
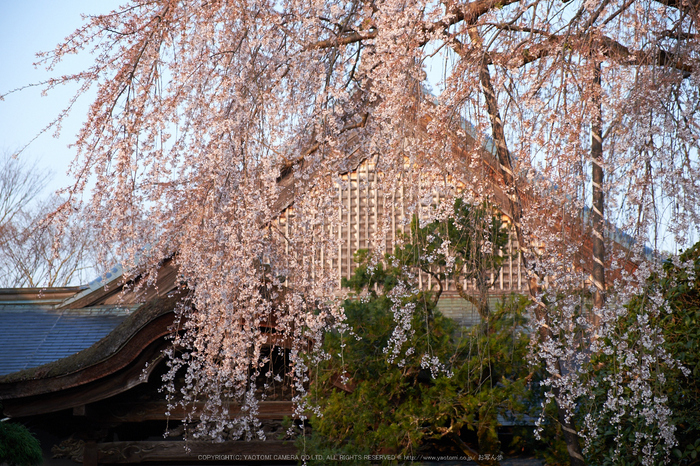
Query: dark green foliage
(384, 408)
(473, 235)
(680, 328)
(550, 447)
(18, 447)
(371, 406)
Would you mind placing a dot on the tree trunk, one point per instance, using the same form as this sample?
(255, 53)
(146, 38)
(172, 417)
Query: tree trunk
(515, 204)
(598, 197)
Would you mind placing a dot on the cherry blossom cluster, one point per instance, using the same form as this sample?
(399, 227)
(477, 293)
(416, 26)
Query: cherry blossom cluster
(220, 132)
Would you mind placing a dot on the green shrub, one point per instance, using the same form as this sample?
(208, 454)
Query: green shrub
(679, 324)
(18, 447)
(388, 391)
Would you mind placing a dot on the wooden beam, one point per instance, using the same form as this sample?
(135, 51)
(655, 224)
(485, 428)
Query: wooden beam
(90, 454)
(175, 451)
(38, 296)
(155, 411)
(100, 389)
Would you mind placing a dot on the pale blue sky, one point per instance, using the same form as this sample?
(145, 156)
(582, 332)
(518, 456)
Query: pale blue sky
(27, 27)
(30, 26)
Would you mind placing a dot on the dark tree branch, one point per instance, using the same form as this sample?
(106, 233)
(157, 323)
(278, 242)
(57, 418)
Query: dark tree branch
(515, 200)
(345, 39)
(609, 47)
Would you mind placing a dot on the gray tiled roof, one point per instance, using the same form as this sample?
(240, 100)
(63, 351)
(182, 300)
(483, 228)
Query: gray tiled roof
(32, 336)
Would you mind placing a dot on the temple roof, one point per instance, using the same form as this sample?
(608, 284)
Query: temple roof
(49, 332)
(31, 336)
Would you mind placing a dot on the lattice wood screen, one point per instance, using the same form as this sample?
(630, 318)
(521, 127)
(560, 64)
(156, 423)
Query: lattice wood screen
(367, 212)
